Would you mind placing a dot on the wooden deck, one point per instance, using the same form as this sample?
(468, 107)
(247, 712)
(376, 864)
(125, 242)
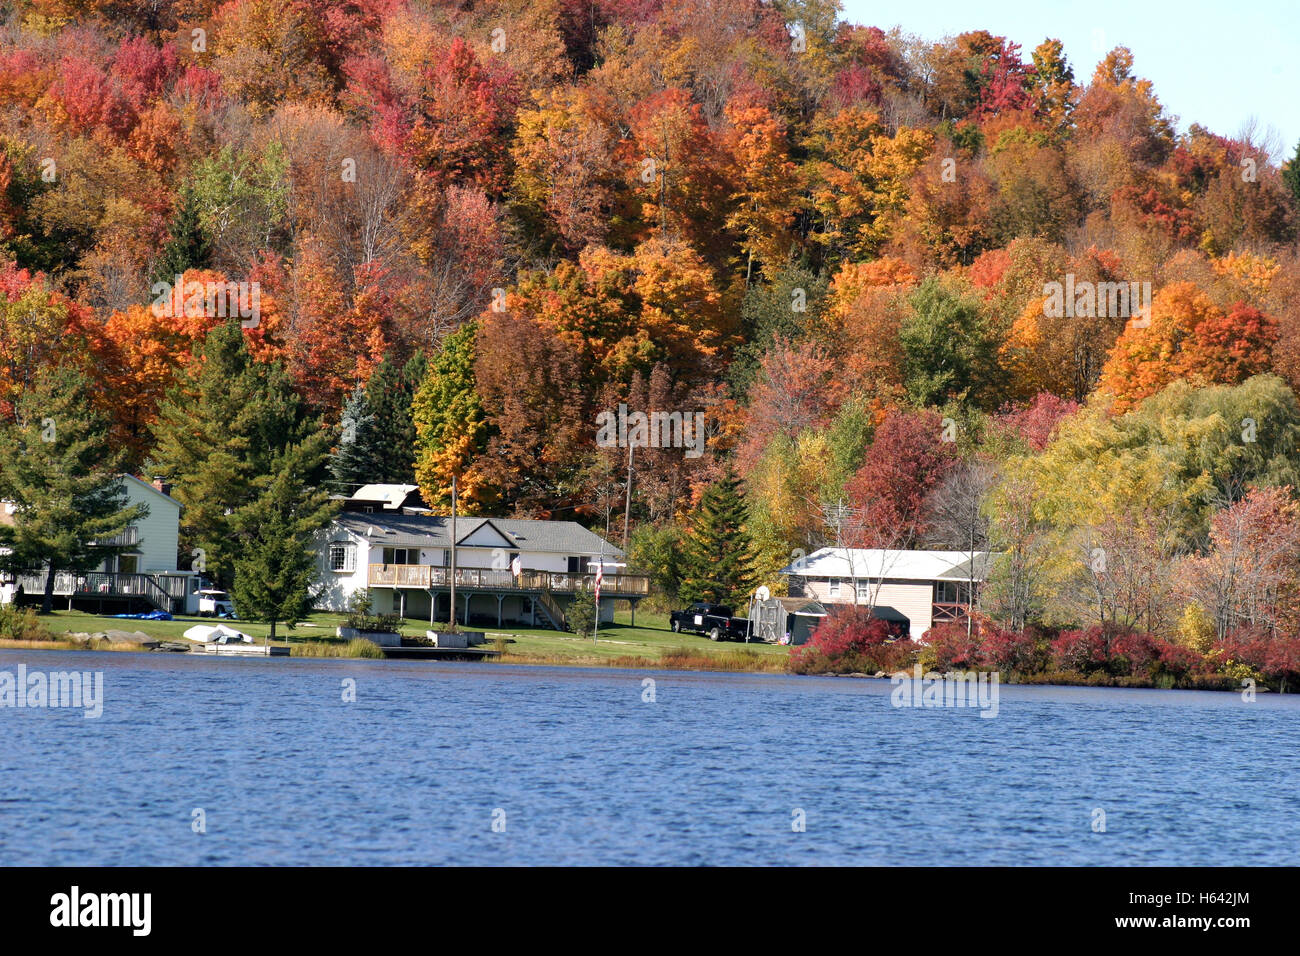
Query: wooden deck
(428, 577)
(165, 592)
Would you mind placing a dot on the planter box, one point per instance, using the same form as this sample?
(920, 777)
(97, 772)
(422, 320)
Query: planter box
(458, 639)
(382, 638)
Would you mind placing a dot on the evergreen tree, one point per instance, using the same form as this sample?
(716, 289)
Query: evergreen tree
(220, 427)
(356, 460)
(276, 561)
(186, 246)
(390, 393)
(717, 559)
(63, 476)
(1291, 175)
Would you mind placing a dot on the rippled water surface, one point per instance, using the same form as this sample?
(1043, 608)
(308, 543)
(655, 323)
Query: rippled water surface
(582, 770)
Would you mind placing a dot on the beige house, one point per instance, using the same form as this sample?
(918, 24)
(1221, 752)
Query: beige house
(921, 588)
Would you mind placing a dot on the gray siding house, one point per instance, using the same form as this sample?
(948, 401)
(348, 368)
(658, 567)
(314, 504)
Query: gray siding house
(508, 570)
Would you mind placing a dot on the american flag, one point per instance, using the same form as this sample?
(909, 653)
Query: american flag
(600, 576)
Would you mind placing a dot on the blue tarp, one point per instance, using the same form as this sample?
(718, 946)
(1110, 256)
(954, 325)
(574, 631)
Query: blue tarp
(151, 616)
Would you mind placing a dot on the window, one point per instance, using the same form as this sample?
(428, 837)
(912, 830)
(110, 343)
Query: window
(864, 590)
(576, 565)
(835, 587)
(397, 556)
(343, 556)
(951, 592)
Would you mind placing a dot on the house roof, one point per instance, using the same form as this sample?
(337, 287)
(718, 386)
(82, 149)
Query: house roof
(799, 606)
(434, 531)
(6, 506)
(149, 487)
(892, 565)
(391, 497)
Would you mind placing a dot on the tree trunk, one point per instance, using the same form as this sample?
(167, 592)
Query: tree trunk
(47, 602)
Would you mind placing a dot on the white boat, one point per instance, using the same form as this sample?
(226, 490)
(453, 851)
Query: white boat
(216, 634)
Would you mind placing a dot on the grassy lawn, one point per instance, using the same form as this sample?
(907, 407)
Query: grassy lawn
(650, 640)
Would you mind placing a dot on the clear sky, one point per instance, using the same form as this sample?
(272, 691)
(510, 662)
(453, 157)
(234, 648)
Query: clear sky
(1213, 63)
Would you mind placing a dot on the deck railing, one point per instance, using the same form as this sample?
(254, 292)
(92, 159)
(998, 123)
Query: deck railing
(163, 591)
(428, 576)
(949, 613)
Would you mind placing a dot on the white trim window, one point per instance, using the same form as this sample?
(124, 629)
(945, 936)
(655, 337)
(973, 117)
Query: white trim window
(834, 587)
(864, 590)
(343, 556)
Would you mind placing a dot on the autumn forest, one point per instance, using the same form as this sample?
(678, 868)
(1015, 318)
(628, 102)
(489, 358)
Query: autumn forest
(921, 294)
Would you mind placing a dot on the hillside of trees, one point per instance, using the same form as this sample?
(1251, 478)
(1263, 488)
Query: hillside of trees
(474, 226)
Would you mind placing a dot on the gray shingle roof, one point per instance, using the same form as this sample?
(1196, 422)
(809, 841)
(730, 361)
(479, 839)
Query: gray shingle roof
(434, 531)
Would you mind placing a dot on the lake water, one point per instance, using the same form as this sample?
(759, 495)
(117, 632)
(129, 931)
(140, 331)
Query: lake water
(580, 769)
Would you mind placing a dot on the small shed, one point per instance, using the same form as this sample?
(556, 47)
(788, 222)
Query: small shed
(786, 620)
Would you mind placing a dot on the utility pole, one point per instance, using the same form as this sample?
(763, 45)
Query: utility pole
(452, 578)
(627, 505)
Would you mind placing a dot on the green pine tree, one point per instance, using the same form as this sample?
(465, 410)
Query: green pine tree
(390, 393)
(356, 460)
(717, 559)
(63, 476)
(276, 562)
(186, 246)
(221, 426)
(1291, 175)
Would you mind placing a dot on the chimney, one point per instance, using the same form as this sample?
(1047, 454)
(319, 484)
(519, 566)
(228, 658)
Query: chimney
(161, 485)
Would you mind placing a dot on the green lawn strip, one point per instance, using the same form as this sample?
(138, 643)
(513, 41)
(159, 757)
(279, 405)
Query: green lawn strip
(650, 638)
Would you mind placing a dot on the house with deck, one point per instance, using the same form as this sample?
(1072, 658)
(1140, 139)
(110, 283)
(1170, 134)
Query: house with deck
(144, 577)
(507, 570)
(916, 589)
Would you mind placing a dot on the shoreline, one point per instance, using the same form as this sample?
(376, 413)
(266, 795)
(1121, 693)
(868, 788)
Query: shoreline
(697, 663)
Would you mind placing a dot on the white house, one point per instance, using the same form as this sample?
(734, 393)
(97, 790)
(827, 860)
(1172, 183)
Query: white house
(144, 574)
(508, 570)
(922, 588)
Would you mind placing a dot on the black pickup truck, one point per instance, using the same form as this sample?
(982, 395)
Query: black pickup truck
(715, 620)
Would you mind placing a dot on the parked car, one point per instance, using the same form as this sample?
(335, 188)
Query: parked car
(214, 603)
(715, 620)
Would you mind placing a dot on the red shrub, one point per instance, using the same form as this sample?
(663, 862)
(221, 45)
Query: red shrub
(1276, 656)
(953, 648)
(1179, 660)
(1082, 651)
(850, 639)
(1010, 650)
(1134, 653)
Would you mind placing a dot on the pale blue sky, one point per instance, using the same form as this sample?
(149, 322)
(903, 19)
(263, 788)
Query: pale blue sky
(1216, 64)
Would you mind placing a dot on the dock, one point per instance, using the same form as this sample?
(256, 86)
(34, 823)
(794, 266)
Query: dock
(243, 650)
